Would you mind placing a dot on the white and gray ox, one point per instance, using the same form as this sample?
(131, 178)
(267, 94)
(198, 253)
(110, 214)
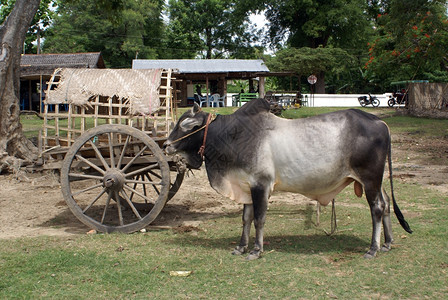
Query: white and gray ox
(251, 153)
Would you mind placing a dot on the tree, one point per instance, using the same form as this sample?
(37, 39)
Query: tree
(410, 43)
(339, 24)
(210, 29)
(14, 147)
(318, 24)
(134, 30)
(304, 61)
(41, 20)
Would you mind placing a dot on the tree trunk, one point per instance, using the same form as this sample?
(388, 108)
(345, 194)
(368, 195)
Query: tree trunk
(15, 149)
(208, 42)
(320, 84)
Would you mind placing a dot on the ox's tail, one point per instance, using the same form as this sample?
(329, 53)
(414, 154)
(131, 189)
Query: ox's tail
(397, 210)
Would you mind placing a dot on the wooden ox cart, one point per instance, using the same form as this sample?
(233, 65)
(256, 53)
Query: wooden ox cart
(103, 129)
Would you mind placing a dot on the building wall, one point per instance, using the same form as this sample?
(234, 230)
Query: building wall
(333, 100)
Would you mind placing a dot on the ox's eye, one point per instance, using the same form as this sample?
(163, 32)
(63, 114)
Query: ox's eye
(189, 123)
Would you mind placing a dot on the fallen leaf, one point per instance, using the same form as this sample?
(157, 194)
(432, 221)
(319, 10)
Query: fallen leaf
(180, 273)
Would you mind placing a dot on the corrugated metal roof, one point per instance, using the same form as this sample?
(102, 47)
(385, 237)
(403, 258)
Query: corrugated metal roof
(203, 65)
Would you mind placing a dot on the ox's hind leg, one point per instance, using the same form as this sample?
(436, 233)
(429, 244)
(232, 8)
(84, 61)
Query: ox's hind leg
(387, 226)
(248, 216)
(377, 208)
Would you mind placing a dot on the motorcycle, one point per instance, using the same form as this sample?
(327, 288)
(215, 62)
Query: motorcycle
(398, 98)
(373, 100)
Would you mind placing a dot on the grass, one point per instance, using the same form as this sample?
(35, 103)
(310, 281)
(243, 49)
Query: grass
(300, 261)
(31, 124)
(419, 127)
(303, 112)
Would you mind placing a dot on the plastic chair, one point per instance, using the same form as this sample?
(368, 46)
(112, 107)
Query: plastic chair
(217, 99)
(200, 100)
(203, 100)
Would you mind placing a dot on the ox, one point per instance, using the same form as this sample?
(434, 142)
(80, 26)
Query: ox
(251, 153)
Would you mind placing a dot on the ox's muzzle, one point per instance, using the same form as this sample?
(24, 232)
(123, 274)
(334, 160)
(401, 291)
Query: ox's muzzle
(168, 148)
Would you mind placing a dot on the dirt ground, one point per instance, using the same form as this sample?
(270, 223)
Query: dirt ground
(32, 204)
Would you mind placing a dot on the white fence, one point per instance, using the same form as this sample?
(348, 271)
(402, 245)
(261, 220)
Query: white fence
(333, 100)
(344, 100)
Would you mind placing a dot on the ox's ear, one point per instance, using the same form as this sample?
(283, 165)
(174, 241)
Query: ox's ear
(189, 123)
(195, 109)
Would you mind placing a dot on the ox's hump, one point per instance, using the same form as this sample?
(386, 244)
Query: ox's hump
(363, 114)
(254, 107)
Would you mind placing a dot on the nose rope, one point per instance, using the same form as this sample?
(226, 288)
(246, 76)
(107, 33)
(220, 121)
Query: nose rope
(202, 149)
(210, 118)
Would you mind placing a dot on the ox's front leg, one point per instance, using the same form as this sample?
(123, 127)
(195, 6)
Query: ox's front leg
(248, 216)
(260, 203)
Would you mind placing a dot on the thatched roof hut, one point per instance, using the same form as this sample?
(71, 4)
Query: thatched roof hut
(36, 70)
(34, 65)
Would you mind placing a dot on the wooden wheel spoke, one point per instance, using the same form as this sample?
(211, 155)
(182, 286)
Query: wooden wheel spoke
(136, 213)
(87, 189)
(141, 170)
(155, 188)
(90, 164)
(144, 185)
(94, 200)
(86, 176)
(143, 182)
(120, 213)
(123, 151)
(135, 186)
(133, 159)
(109, 196)
(155, 174)
(137, 193)
(111, 149)
(99, 155)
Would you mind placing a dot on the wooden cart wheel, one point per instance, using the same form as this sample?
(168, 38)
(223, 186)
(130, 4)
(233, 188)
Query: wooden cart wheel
(115, 178)
(176, 182)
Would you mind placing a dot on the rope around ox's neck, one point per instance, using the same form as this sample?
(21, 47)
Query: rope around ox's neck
(210, 119)
(202, 149)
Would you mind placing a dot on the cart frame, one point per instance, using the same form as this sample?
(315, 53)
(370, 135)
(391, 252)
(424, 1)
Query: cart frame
(114, 175)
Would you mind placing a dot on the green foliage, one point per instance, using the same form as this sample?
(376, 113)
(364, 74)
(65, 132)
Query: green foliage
(407, 40)
(311, 60)
(305, 61)
(41, 20)
(410, 43)
(209, 29)
(237, 85)
(342, 26)
(135, 30)
(341, 23)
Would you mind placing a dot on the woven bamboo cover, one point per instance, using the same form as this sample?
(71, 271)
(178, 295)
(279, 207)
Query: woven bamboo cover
(140, 88)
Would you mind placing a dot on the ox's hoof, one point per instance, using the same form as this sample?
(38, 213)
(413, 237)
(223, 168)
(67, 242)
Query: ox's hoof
(239, 250)
(385, 248)
(369, 255)
(254, 254)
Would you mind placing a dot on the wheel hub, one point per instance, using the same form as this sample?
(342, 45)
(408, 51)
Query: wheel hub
(113, 180)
